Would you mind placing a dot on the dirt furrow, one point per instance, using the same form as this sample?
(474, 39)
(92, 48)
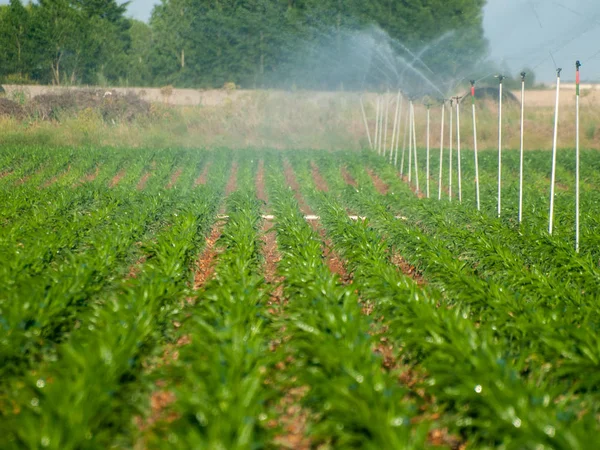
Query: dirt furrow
(291, 417)
(320, 182)
(55, 178)
(290, 178)
(348, 178)
(6, 174)
(88, 178)
(379, 184)
(260, 183)
(205, 265)
(143, 181)
(174, 178)
(203, 177)
(117, 178)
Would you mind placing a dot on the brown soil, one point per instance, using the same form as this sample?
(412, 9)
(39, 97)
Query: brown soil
(174, 178)
(348, 178)
(332, 259)
(291, 181)
(407, 269)
(260, 183)
(205, 266)
(272, 257)
(117, 178)
(203, 177)
(54, 179)
(5, 174)
(232, 182)
(320, 182)
(293, 420)
(89, 177)
(143, 181)
(136, 268)
(379, 184)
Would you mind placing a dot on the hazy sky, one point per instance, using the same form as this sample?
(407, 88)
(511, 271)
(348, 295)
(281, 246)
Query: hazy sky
(523, 33)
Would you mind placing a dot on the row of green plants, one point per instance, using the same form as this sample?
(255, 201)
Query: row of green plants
(79, 329)
(437, 330)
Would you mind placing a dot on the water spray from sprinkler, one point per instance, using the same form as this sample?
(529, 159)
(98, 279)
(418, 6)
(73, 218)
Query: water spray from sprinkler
(475, 146)
(554, 146)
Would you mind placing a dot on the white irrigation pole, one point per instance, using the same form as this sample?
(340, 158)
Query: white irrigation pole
(427, 143)
(381, 116)
(377, 109)
(450, 153)
(404, 143)
(364, 116)
(387, 110)
(475, 145)
(577, 80)
(394, 127)
(554, 145)
(398, 133)
(458, 156)
(500, 78)
(441, 151)
(410, 140)
(523, 74)
(414, 136)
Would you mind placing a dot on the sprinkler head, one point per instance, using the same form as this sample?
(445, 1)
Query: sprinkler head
(558, 71)
(577, 64)
(472, 82)
(523, 75)
(500, 78)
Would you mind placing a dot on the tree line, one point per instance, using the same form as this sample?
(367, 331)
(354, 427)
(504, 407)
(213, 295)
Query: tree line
(252, 43)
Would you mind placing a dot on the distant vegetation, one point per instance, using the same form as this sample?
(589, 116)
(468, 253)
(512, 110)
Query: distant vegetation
(203, 44)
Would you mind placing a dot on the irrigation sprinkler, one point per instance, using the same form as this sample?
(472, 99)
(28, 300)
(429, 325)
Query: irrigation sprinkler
(577, 82)
(523, 75)
(376, 134)
(441, 151)
(475, 145)
(410, 140)
(554, 145)
(414, 136)
(385, 133)
(427, 144)
(450, 152)
(394, 129)
(364, 116)
(500, 79)
(458, 156)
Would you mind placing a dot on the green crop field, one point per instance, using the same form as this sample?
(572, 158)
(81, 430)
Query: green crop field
(229, 299)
